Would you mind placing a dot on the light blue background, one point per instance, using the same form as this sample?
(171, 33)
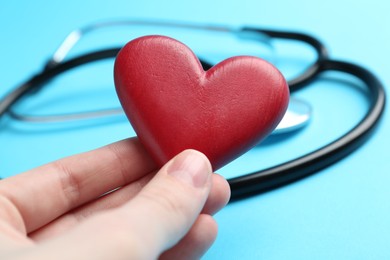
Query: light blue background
(341, 213)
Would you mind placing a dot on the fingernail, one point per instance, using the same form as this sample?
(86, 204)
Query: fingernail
(191, 167)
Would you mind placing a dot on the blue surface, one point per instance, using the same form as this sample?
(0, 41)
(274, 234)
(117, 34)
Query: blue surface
(341, 213)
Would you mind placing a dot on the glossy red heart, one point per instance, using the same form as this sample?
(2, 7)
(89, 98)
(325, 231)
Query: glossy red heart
(173, 104)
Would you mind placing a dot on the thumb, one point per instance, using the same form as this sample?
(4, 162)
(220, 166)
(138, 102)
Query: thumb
(168, 206)
(155, 220)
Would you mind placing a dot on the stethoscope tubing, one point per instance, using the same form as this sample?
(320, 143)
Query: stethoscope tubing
(285, 173)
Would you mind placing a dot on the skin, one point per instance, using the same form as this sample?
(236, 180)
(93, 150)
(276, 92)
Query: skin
(112, 203)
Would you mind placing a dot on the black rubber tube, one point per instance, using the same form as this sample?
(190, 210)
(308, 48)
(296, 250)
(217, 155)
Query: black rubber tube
(277, 176)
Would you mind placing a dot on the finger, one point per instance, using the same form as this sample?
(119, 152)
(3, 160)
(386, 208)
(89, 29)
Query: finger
(219, 196)
(155, 220)
(197, 241)
(51, 190)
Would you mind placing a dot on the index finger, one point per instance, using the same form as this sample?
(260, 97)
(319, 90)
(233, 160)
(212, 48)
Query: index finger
(45, 193)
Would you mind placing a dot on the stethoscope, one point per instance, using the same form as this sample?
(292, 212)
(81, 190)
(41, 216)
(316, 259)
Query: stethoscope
(262, 180)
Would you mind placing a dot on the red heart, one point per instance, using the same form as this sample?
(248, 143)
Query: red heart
(173, 104)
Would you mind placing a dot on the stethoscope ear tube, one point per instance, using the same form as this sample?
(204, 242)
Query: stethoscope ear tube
(51, 70)
(280, 175)
(312, 71)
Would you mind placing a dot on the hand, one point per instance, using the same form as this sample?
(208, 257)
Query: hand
(111, 204)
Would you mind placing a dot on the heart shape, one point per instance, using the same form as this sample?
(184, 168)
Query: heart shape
(173, 104)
